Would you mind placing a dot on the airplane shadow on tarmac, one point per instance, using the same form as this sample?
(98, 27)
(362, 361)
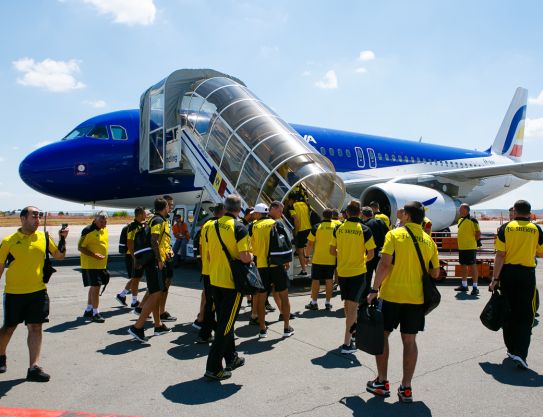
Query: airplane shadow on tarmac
(508, 373)
(200, 391)
(378, 407)
(5, 386)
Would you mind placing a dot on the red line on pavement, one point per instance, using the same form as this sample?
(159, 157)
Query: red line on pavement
(29, 412)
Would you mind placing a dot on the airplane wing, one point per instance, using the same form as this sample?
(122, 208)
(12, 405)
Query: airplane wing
(531, 171)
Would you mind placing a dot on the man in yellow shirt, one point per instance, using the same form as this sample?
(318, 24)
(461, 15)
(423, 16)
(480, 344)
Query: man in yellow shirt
(25, 293)
(227, 299)
(517, 244)
(352, 243)
(323, 265)
(468, 235)
(93, 246)
(302, 227)
(378, 215)
(398, 280)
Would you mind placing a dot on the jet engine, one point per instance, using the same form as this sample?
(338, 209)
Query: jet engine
(441, 209)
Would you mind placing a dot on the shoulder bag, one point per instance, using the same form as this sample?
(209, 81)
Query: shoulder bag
(432, 297)
(246, 278)
(48, 269)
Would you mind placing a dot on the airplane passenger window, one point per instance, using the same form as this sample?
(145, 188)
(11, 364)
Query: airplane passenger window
(323, 151)
(340, 152)
(98, 132)
(331, 151)
(348, 153)
(393, 157)
(386, 156)
(424, 160)
(399, 158)
(418, 160)
(118, 133)
(412, 160)
(379, 157)
(78, 132)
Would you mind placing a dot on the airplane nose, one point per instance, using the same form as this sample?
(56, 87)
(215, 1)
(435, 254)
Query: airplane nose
(31, 170)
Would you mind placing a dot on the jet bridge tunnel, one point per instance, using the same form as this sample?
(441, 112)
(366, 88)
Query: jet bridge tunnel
(210, 124)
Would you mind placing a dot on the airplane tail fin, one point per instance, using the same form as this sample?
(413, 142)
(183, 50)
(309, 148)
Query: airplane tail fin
(509, 139)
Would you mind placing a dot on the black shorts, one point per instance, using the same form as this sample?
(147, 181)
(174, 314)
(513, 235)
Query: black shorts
(276, 276)
(322, 272)
(301, 239)
(351, 288)
(156, 278)
(168, 269)
(410, 317)
(467, 257)
(93, 277)
(32, 308)
(130, 269)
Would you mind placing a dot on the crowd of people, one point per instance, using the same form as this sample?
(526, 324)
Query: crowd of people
(371, 260)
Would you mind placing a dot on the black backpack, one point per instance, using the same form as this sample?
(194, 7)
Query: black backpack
(142, 240)
(314, 217)
(123, 239)
(280, 251)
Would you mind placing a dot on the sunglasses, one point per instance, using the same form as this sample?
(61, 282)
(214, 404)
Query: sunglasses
(36, 214)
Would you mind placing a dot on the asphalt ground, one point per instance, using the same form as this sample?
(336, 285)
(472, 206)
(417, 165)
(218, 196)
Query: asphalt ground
(98, 368)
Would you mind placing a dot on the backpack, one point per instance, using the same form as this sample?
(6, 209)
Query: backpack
(123, 239)
(314, 217)
(280, 251)
(142, 240)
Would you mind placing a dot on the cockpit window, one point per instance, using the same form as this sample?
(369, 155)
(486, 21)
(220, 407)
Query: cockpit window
(78, 132)
(118, 133)
(98, 132)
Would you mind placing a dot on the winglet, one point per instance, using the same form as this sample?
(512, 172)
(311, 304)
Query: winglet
(509, 139)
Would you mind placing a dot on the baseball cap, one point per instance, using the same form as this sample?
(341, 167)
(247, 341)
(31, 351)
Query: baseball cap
(261, 208)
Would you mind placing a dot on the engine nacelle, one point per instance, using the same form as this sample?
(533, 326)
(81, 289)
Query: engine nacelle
(440, 208)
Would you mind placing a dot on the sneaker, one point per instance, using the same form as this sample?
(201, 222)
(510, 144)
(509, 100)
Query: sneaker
(254, 322)
(203, 340)
(328, 306)
(348, 349)
(379, 388)
(287, 332)
(249, 303)
(36, 374)
(475, 291)
(98, 318)
(521, 363)
(270, 308)
(138, 334)
(163, 329)
(137, 310)
(236, 363)
(87, 314)
(3, 367)
(263, 333)
(405, 394)
(121, 299)
(302, 274)
(167, 317)
(291, 317)
(135, 304)
(219, 375)
(197, 324)
(461, 288)
(312, 306)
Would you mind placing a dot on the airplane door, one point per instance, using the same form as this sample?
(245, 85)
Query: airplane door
(360, 161)
(371, 158)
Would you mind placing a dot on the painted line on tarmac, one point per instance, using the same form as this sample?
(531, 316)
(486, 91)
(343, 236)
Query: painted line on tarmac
(28, 412)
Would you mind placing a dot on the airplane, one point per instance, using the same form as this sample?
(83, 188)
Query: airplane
(98, 163)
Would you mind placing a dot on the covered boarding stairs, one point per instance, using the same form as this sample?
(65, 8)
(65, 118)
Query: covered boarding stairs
(210, 125)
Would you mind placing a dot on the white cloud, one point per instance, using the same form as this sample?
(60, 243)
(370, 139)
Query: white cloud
(361, 70)
(97, 104)
(2, 159)
(56, 76)
(128, 12)
(329, 81)
(14, 148)
(538, 100)
(367, 55)
(306, 73)
(43, 143)
(533, 128)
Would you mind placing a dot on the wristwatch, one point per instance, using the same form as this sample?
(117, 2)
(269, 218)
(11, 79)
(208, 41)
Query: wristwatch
(374, 291)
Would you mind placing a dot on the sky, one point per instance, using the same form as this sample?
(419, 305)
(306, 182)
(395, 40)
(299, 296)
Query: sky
(444, 71)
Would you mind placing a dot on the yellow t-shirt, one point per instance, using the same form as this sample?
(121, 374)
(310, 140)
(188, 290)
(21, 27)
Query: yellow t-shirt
(131, 233)
(384, 218)
(160, 226)
(352, 239)
(404, 283)
(236, 238)
(260, 240)
(520, 240)
(25, 272)
(203, 246)
(321, 235)
(467, 227)
(300, 210)
(95, 240)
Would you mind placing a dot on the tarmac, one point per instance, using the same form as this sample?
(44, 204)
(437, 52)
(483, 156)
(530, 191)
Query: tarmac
(98, 368)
